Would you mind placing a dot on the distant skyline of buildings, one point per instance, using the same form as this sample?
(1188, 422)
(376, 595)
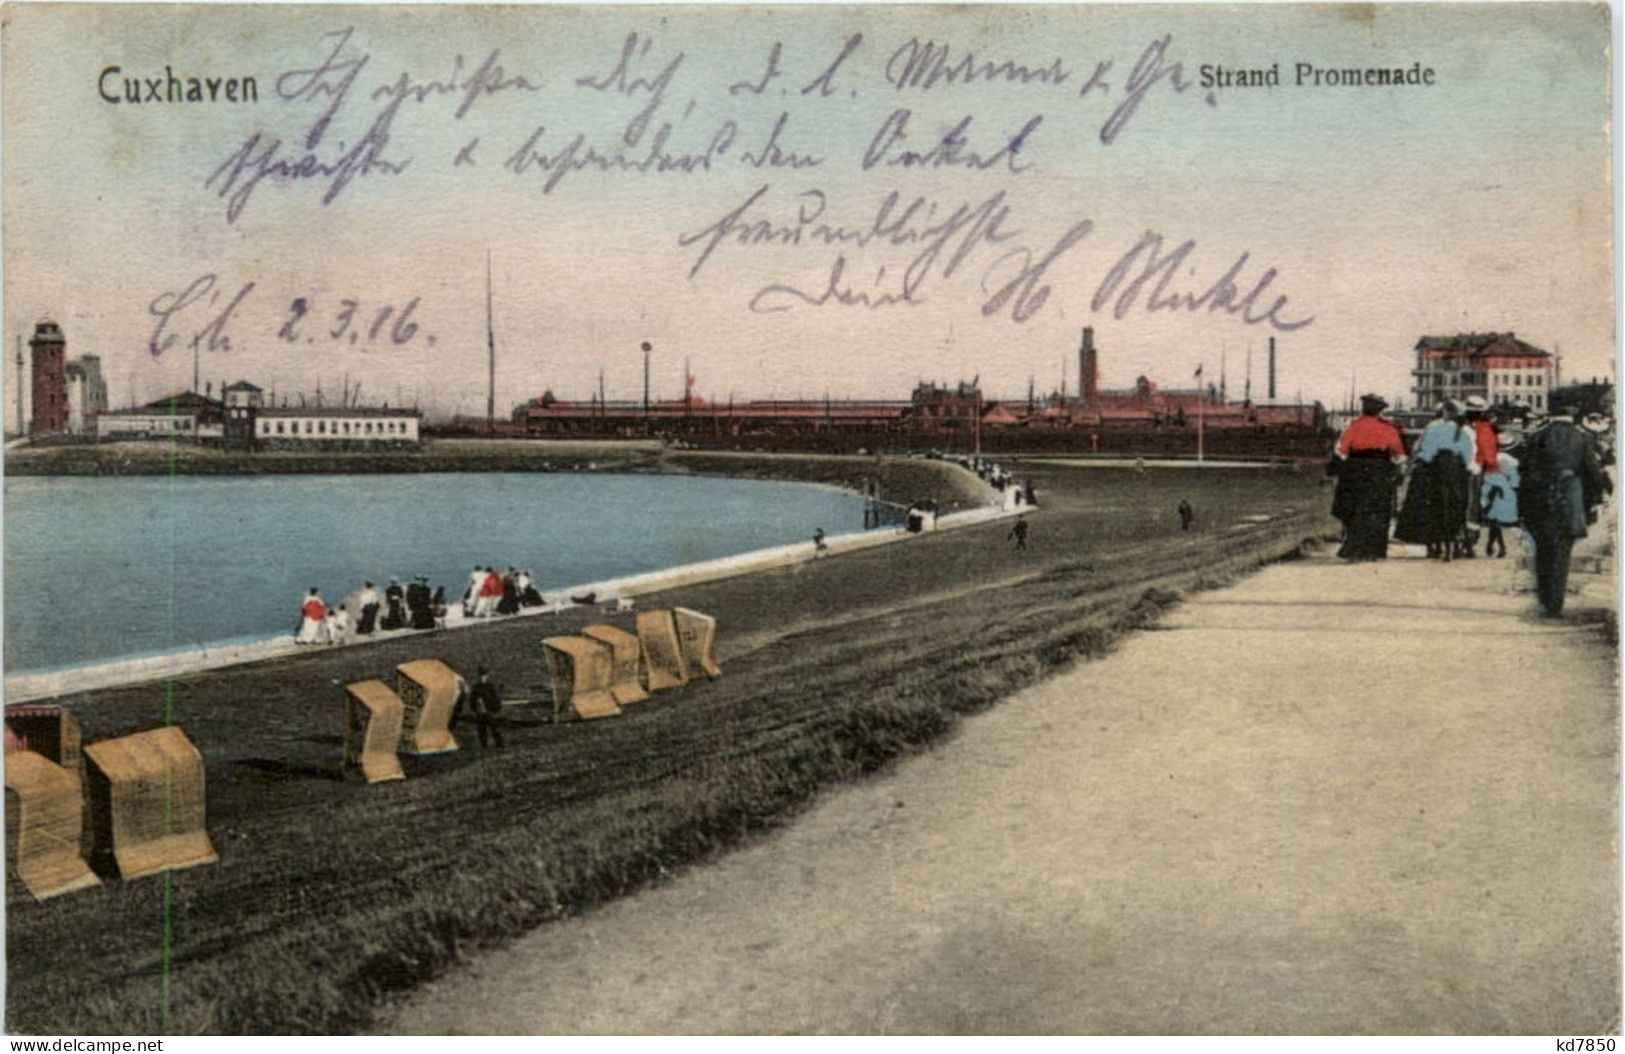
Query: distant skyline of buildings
(66, 395)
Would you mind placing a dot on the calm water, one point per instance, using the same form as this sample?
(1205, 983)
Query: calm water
(97, 569)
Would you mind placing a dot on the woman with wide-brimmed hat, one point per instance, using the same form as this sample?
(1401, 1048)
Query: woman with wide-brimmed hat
(1435, 510)
(1366, 465)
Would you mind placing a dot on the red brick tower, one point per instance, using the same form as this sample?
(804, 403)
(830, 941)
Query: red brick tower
(50, 351)
(1088, 367)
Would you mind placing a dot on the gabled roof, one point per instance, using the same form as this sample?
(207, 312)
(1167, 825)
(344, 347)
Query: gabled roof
(242, 386)
(1482, 345)
(338, 411)
(181, 402)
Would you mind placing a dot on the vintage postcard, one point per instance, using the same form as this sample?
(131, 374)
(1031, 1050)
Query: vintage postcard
(844, 519)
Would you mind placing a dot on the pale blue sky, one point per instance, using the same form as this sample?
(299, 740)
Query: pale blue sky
(1480, 203)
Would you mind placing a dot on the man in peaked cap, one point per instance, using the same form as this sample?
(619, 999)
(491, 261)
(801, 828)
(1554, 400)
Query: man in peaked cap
(1561, 486)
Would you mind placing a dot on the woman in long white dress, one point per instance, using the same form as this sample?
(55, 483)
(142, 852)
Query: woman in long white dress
(312, 625)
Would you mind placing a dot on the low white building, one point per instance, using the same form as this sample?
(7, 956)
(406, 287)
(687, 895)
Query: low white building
(336, 426)
(187, 416)
(241, 419)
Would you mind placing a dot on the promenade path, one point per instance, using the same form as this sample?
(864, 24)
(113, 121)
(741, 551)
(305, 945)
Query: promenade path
(1328, 799)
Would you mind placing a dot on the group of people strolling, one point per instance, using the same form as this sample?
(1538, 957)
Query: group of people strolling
(1465, 481)
(414, 606)
(411, 607)
(320, 624)
(490, 593)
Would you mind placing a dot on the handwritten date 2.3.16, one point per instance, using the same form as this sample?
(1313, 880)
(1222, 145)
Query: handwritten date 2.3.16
(202, 316)
(351, 323)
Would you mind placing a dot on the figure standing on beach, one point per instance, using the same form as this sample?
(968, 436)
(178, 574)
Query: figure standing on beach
(368, 603)
(312, 613)
(508, 604)
(476, 587)
(486, 700)
(1186, 514)
(820, 547)
(338, 625)
(1019, 533)
(490, 593)
(1561, 487)
(1366, 463)
(394, 601)
(423, 606)
(528, 595)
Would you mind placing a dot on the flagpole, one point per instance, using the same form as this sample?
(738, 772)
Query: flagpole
(1200, 420)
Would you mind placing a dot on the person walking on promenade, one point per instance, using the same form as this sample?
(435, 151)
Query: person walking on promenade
(1019, 533)
(1501, 495)
(1435, 509)
(1561, 487)
(1366, 463)
(1186, 514)
(476, 589)
(312, 615)
(368, 603)
(1485, 455)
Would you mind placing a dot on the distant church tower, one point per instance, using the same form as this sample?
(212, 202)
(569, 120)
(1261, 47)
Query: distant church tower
(49, 349)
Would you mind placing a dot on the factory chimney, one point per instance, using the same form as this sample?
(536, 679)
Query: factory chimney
(1088, 370)
(1272, 369)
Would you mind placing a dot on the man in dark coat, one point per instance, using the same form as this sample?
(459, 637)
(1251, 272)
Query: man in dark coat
(1561, 486)
(419, 602)
(486, 701)
(394, 598)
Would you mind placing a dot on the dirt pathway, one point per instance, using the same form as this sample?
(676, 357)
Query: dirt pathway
(1331, 799)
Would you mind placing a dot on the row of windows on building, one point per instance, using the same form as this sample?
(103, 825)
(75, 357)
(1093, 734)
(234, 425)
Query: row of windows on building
(1515, 380)
(397, 428)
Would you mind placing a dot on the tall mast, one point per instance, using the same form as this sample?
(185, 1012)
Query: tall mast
(647, 347)
(491, 349)
(20, 428)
